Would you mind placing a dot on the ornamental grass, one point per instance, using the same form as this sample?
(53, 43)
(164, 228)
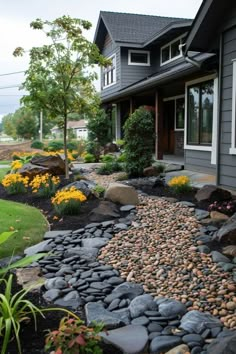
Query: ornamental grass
(180, 184)
(44, 185)
(68, 201)
(15, 183)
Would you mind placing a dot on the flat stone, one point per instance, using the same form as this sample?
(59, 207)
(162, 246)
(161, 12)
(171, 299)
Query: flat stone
(130, 339)
(87, 253)
(96, 242)
(204, 249)
(115, 280)
(193, 338)
(201, 214)
(55, 283)
(52, 294)
(172, 308)
(129, 290)
(71, 300)
(56, 233)
(216, 215)
(99, 285)
(219, 257)
(124, 315)
(140, 304)
(187, 204)
(163, 343)
(120, 227)
(127, 207)
(91, 225)
(114, 305)
(38, 248)
(96, 312)
(196, 322)
(154, 327)
(142, 321)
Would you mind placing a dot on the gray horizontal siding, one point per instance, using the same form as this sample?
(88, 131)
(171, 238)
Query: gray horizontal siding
(227, 162)
(199, 161)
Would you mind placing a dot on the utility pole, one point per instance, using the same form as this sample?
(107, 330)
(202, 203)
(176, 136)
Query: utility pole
(41, 127)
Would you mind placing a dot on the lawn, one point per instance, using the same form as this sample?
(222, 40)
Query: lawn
(29, 223)
(3, 171)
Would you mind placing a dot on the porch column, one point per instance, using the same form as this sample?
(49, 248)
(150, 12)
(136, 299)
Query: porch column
(158, 126)
(118, 121)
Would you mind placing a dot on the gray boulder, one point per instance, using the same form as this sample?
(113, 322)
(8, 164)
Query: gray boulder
(84, 186)
(130, 339)
(161, 344)
(88, 253)
(123, 194)
(105, 211)
(128, 290)
(228, 231)
(196, 322)
(38, 248)
(96, 312)
(223, 345)
(96, 242)
(211, 193)
(172, 308)
(140, 304)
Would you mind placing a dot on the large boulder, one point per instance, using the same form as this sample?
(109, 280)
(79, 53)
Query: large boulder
(223, 345)
(86, 187)
(54, 163)
(197, 322)
(105, 211)
(212, 193)
(30, 170)
(120, 193)
(227, 233)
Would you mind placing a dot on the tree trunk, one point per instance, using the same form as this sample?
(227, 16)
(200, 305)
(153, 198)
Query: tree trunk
(65, 148)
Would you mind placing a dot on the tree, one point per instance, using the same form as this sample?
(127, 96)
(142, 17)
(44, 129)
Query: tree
(9, 126)
(59, 78)
(26, 124)
(99, 128)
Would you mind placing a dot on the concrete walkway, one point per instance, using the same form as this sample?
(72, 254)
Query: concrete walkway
(197, 179)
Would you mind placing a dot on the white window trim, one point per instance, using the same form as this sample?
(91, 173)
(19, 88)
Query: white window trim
(114, 74)
(130, 51)
(169, 45)
(214, 132)
(174, 98)
(232, 149)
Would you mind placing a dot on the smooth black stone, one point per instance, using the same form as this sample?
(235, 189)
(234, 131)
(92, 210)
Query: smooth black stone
(154, 327)
(114, 305)
(215, 331)
(82, 287)
(153, 335)
(175, 323)
(123, 303)
(168, 330)
(103, 268)
(99, 285)
(90, 298)
(206, 333)
(152, 313)
(51, 268)
(86, 274)
(193, 344)
(49, 275)
(93, 264)
(196, 350)
(190, 338)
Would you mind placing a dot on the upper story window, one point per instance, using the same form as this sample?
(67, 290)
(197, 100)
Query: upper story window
(171, 51)
(139, 57)
(109, 73)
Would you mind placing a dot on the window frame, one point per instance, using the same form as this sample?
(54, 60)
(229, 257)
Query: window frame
(175, 98)
(107, 70)
(169, 45)
(232, 150)
(130, 51)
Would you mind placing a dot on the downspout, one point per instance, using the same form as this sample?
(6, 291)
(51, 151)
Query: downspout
(219, 111)
(186, 57)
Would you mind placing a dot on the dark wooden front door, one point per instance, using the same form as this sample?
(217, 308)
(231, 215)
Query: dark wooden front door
(169, 127)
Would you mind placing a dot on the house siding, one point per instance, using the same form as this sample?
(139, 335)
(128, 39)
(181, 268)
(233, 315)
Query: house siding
(199, 161)
(227, 162)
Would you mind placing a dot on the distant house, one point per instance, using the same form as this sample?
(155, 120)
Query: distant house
(79, 128)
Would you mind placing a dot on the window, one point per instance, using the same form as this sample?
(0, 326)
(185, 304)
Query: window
(171, 50)
(179, 113)
(137, 57)
(109, 73)
(232, 150)
(200, 113)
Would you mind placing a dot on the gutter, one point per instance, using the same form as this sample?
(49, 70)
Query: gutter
(186, 57)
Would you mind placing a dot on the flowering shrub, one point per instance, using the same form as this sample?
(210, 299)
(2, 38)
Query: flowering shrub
(15, 183)
(180, 184)
(227, 207)
(16, 165)
(44, 185)
(68, 201)
(74, 337)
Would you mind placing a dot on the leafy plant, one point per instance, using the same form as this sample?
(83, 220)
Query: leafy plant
(68, 201)
(109, 168)
(55, 145)
(159, 167)
(139, 141)
(44, 185)
(107, 158)
(120, 143)
(122, 157)
(37, 144)
(14, 309)
(99, 128)
(71, 145)
(180, 184)
(74, 337)
(88, 158)
(99, 190)
(15, 183)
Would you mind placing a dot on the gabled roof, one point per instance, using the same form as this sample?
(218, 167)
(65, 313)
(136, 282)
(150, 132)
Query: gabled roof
(206, 24)
(131, 28)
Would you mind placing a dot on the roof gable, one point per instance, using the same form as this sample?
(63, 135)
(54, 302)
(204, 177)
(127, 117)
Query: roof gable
(130, 28)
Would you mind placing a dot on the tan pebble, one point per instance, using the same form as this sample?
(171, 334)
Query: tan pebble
(215, 312)
(231, 287)
(231, 305)
(223, 312)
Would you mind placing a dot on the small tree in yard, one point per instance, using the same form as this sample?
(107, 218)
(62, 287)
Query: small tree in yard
(59, 79)
(139, 141)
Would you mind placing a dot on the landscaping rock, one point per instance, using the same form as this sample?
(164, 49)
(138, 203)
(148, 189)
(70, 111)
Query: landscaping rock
(84, 252)
(123, 194)
(96, 312)
(227, 233)
(163, 343)
(96, 242)
(52, 295)
(130, 339)
(54, 163)
(84, 186)
(105, 211)
(151, 171)
(219, 257)
(172, 308)
(223, 345)
(30, 170)
(212, 193)
(71, 300)
(128, 290)
(201, 214)
(127, 207)
(38, 248)
(140, 304)
(180, 349)
(216, 215)
(196, 322)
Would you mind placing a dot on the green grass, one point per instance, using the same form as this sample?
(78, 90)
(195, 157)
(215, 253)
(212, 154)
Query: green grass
(3, 171)
(29, 223)
(5, 162)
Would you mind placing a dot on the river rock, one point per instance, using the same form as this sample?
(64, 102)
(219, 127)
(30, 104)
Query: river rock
(180, 349)
(96, 312)
(130, 339)
(172, 308)
(87, 253)
(104, 211)
(196, 322)
(128, 290)
(219, 257)
(96, 242)
(163, 343)
(223, 345)
(120, 193)
(140, 304)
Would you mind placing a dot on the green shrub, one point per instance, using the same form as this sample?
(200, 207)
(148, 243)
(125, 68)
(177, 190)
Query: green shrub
(55, 145)
(89, 158)
(122, 157)
(72, 145)
(109, 168)
(120, 143)
(37, 144)
(139, 141)
(159, 167)
(107, 158)
(94, 148)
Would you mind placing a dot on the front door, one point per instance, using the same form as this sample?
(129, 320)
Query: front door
(169, 127)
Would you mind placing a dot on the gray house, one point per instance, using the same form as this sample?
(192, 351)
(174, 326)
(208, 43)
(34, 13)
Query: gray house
(214, 31)
(151, 67)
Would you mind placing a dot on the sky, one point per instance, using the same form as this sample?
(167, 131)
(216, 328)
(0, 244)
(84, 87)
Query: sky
(16, 16)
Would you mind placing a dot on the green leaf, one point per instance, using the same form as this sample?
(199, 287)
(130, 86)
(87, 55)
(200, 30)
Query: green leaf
(4, 236)
(23, 262)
